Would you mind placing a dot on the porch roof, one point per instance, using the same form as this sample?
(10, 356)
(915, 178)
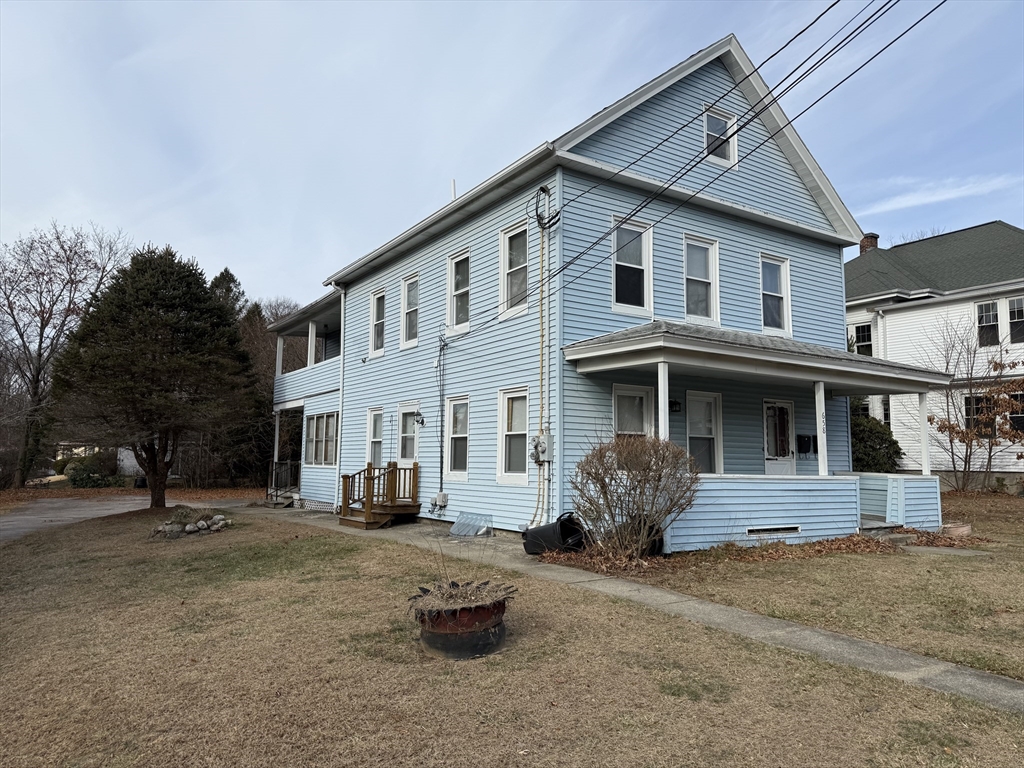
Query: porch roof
(706, 351)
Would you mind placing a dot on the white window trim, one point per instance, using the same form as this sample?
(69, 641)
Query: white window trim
(405, 343)
(730, 119)
(455, 476)
(373, 321)
(501, 476)
(787, 304)
(450, 328)
(648, 395)
(1005, 305)
(506, 313)
(370, 413)
(719, 441)
(305, 438)
(712, 246)
(647, 256)
(403, 408)
(999, 323)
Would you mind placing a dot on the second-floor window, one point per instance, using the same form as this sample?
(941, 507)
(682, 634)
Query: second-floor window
(321, 438)
(988, 324)
(631, 248)
(410, 311)
(862, 339)
(513, 270)
(377, 323)
(701, 274)
(1017, 320)
(458, 293)
(774, 294)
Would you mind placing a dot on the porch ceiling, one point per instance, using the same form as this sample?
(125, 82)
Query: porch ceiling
(325, 312)
(705, 351)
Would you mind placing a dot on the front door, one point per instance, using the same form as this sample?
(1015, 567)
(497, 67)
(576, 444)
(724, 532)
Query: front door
(779, 451)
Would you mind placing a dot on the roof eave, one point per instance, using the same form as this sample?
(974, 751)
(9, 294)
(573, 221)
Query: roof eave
(301, 317)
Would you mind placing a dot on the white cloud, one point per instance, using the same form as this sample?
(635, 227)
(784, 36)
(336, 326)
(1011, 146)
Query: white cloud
(929, 192)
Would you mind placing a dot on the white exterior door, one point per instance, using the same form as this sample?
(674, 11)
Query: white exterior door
(779, 438)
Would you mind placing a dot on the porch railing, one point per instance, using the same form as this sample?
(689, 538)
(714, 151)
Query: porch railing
(283, 479)
(387, 486)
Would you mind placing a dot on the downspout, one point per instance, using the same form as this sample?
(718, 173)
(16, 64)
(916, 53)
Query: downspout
(341, 401)
(559, 384)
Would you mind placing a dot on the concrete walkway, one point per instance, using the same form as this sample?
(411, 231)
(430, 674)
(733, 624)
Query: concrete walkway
(41, 514)
(506, 551)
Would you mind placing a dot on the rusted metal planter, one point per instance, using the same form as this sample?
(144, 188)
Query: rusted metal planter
(463, 633)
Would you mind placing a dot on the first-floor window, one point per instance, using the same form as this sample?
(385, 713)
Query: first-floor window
(1017, 411)
(458, 435)
(632, 413)
(375, 437)
(859, 406)
(978, 416)
(886, 411)
(513, 415)
(321, 438)
(408, 434)
(703, 430)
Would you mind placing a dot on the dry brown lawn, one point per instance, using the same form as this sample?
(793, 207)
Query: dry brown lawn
(274, 644)
(14, 498)
(969, 610)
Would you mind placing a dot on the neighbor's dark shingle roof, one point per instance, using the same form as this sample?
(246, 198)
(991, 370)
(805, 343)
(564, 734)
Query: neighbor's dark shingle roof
(981, 255)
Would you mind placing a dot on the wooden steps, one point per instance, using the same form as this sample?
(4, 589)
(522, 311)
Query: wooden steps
(376, 497)
(382, 515)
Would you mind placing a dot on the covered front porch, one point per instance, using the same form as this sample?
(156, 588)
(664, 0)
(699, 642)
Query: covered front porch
(766, 418)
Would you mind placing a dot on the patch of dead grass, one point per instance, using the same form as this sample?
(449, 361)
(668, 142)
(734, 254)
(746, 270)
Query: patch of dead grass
(220, 650)
(14, 498)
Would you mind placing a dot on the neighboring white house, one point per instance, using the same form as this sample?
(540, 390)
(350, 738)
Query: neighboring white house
(952, 302)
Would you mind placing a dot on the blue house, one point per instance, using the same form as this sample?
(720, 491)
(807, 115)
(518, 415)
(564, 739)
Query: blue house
(593, 288)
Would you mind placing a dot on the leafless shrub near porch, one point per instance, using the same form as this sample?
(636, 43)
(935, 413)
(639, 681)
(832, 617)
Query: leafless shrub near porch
(628, 490)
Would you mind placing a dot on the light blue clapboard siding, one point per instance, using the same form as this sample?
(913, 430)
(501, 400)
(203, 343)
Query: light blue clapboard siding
(499, 355)
(726, 507)
(874, 495)
(317, 482)
(837, 435)
(305, 382)
(815, 268)
(922, 506)
(763, 180)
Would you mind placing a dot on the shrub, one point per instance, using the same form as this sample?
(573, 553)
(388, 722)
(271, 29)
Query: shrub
(874, 447)
(60, 465)
(98, 470)
(628, 490)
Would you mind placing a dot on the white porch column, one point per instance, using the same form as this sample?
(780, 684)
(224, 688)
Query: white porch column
(922, 408)
(279, 365)
(311, 347)
(819, 413)
(663, 400)
(277, 433)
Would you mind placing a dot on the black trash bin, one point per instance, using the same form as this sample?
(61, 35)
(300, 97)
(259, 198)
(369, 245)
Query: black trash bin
(564, 535)
(140, 481)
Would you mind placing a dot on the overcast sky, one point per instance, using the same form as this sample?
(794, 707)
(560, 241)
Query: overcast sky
(284, 140)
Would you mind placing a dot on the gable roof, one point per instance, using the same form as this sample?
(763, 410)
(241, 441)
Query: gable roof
(986, 254)
(550, 154)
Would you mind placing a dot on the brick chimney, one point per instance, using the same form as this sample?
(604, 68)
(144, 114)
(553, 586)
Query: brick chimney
(869, 241)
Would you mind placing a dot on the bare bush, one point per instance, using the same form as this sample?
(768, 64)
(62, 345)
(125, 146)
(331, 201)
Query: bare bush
(629, 490)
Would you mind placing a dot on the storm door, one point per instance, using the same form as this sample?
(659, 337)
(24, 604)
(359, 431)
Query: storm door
(779, 438)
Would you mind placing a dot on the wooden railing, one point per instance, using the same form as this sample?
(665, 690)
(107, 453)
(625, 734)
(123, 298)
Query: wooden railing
(377, 487)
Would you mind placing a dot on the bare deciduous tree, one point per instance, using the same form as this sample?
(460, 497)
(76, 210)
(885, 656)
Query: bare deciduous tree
(47, 280)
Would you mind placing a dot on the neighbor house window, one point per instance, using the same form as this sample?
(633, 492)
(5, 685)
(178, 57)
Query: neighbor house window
(375, 437)
(720, 146)
(513, 270)
(859, 406)
(862, 339)
(701, 279)
(633, 410)
(410, 311)
(774, 294)
(988, 324)
(978, 416)
(1017, 411)
(631, 248)
(1017, 320)
(513, 416)
(886, 411)
(408, 433)
(321, 438)
(458, 293)
(377, 323)
(458, 436)
(704, 430)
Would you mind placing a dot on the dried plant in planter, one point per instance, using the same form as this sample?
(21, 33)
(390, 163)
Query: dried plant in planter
(462, 620)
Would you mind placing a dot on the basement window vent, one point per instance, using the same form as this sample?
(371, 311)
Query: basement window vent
(774, 530)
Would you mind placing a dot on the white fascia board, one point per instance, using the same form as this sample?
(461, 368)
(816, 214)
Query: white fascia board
(509, 179)
(599, 169)
(952, 297)
(287, 404)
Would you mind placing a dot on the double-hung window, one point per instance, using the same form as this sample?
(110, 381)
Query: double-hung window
(704, 430)
(862, 339)
(375, 437)
(774, 295)
(377, 324)
(719, 136)
(701, 279)
(513, 270)
(321, 439)
(513, 423)
(978, 416)
(988, 324)
(458, 293)
(410, 311)
(631, 249)
(1017, 411)
(1017, 320)
(458, 437)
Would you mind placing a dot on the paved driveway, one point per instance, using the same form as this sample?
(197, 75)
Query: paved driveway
(48, 513)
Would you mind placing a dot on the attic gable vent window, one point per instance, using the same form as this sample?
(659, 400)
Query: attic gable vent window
(721, 147)
(988, 324)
